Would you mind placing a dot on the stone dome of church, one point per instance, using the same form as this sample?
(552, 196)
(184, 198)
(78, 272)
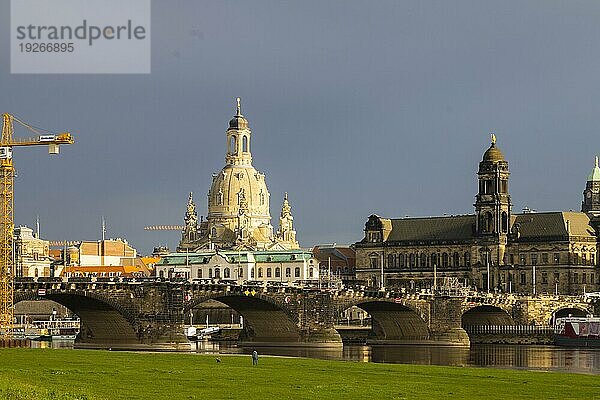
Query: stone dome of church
(238, 203)
(237, 186)
(493, 154)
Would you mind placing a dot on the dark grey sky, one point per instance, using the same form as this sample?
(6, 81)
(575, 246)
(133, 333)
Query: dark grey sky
(357, 107)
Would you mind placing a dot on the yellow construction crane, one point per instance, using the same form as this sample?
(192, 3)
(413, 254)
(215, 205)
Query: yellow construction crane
(7, 177)
(164, 228)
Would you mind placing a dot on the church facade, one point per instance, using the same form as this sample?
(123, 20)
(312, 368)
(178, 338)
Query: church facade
(236, 242)
(492, 249)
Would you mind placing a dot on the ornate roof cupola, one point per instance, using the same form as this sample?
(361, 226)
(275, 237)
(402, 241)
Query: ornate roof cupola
(591, 194)
(286, 230)
(191, 220)
(238, 140)
(492, 203)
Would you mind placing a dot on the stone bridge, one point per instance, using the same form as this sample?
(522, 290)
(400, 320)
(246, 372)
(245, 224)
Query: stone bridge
(154, 312)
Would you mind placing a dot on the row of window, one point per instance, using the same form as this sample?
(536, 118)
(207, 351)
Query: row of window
(488, 186)
(573, 278)
(487, 224)
(216, 273)
(424, 260)
(374, 237)
(543, 259)
(233, 145)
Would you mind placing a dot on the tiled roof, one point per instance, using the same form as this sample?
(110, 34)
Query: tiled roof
(553, 225)
(451, 228)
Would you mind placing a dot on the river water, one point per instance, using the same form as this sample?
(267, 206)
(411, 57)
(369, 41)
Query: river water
(498, 356)
(549, 358)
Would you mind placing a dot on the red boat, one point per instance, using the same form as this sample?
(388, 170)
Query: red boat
(577, 332)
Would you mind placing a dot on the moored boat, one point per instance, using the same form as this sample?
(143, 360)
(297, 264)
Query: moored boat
(577, 331)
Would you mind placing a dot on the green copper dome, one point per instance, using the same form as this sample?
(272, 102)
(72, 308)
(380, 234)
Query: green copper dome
(594, 175)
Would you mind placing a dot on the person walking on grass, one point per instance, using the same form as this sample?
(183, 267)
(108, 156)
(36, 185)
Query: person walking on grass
(254, 358)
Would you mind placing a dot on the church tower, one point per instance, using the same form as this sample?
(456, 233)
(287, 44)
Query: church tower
(286, 232)
(591, 194)
(238, 140)
(492, 203)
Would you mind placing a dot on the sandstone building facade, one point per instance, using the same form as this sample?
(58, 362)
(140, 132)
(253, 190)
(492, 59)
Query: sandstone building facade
(492, 249)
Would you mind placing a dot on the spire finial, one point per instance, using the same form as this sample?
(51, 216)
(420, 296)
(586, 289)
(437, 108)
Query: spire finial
(596, 161)
(239, 107)
(493, 136)
(285, 195)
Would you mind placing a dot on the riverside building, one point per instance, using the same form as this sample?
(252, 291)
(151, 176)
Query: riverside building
(493, 249)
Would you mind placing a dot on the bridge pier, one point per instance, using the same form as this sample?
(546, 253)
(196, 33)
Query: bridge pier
(445, 323)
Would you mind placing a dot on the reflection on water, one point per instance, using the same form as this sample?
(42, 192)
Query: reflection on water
(54, 344)
(499, 356)
(481, 355)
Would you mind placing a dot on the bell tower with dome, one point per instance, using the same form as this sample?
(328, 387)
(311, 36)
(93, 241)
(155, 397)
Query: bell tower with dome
(492, 206)
(492, 202)
(591, 194)
(238, 201)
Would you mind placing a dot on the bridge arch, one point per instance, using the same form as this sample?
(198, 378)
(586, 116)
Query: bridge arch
(486, 315)
(266, 320)
(103, 320)
(394, 322)
(566, 311)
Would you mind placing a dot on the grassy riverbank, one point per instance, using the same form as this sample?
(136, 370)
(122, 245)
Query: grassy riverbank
(66, 374)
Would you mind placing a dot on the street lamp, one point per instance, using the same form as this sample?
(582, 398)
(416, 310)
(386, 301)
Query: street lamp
(487, 262)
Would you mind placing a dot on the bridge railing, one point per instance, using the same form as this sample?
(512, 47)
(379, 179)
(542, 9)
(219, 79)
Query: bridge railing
(509, 330)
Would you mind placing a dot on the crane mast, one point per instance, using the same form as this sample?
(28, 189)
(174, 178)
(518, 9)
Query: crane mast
(7, 270)
(7, 222)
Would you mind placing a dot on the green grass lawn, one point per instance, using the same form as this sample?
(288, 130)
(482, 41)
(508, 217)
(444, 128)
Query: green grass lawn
(80, 374)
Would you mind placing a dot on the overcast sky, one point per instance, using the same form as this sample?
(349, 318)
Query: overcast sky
(356, 107)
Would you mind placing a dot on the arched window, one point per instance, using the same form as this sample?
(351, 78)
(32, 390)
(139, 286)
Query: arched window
(402, 263)
(297, 272)
(252, 273)
(455, 259)
(374, 261)
(269, 272)
(288, 272)
(467, 259)
(161, 274)
(311, 272)
(232, 145)
(412, 259)
(434, 259)
(277, 272)
(390, 260)
(199, 273)
(245, 144)
(489, 222)
(210, 275)
(226, 273)
(423, 262)
(444, 259)
(217, 273)
(260, 274)
(504, 222)
(213, 231)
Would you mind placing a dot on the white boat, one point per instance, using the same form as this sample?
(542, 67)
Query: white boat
(55, 329)
(195, 334)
